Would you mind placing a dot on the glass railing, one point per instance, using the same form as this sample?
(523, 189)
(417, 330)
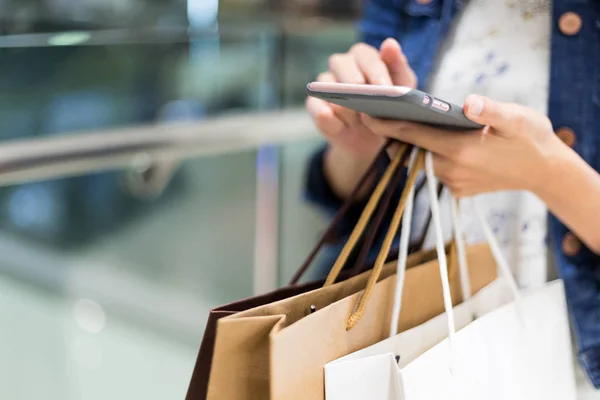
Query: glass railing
(146, 176)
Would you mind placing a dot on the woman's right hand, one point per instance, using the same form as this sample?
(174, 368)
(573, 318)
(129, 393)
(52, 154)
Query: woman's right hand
(352, 145)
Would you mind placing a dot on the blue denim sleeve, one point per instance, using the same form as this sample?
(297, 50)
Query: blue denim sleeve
(418, 26)
(380, 20)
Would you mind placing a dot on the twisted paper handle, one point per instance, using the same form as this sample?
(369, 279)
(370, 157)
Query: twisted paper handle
(366, 216)
(387, 243)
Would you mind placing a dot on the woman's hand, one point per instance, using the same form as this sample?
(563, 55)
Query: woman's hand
(514, 151)
(352, 145)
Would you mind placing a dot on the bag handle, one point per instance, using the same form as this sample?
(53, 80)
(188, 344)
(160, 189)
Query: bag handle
(465, 282)
(418, 246)
(360, 263)
(497, 252)
(494, 246)
(458, 244)
(397, 161)
(403, 256)
(340, 214)
(387, 242)
(439, 242)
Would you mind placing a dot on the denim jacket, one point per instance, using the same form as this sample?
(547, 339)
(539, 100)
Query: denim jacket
(574, 103)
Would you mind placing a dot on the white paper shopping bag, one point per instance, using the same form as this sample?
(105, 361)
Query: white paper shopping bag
(372, 372)
(499, 357)
(521, 350)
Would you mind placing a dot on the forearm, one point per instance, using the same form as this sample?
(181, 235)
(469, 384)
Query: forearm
(343, 171)
(572, 194)
(318, 191)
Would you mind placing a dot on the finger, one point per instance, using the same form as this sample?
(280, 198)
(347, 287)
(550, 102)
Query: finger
(400, 71)
(443, 167)
(372, 67)
(350, 117)
(324, 117)
(505, 118)
(345, 70)
(455, 177)
(436, 140)
(393, 149)
(326, 77)
(445, 170)
(316, 106)
(347, 116)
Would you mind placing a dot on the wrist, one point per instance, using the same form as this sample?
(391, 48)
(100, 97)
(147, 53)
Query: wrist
(555, 160)
(572, 194)
(343, 169)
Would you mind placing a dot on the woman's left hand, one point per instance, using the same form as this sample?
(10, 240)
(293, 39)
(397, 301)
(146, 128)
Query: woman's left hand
(513, 152)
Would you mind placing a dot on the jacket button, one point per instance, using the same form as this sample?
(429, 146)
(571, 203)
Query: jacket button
(571, 245)
(567, 135)
(569, 23)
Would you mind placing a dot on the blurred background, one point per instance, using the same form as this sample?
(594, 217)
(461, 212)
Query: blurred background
(111, 258)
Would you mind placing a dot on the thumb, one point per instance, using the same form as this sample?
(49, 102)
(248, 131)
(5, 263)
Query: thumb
(393, 57)
(505, 118)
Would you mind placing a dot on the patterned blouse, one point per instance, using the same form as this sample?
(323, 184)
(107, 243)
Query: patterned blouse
(500, 49)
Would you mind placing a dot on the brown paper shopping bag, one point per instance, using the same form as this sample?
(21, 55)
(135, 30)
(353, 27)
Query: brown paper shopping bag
(198, 386)
(278, 350)
(299, 351)
(199, 382)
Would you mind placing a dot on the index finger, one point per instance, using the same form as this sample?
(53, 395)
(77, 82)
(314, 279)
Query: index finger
(371, 65)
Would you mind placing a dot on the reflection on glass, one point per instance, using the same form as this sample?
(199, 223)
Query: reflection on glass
(68, 89)
(133, 268)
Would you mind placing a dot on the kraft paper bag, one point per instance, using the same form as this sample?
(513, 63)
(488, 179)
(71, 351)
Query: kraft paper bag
(199, 382)
(198, 386)
(278, 351)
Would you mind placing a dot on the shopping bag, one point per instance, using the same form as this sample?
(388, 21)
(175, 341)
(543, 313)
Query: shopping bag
(371, 372)
(278, 350)
(199, 381)
(521, 350)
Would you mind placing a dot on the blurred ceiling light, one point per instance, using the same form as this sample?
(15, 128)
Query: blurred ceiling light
(69, 38)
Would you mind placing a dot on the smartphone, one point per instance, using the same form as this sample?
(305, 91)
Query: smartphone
(393, 102)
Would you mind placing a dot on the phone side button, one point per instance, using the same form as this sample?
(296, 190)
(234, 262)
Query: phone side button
(440, 105)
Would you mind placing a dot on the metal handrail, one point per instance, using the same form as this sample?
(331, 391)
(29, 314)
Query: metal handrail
(76, 154)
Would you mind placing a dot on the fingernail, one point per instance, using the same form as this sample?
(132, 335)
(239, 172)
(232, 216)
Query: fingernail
(475, 106)
(391, 40)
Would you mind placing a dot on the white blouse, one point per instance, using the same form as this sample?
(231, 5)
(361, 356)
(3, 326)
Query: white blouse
(499, 49)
